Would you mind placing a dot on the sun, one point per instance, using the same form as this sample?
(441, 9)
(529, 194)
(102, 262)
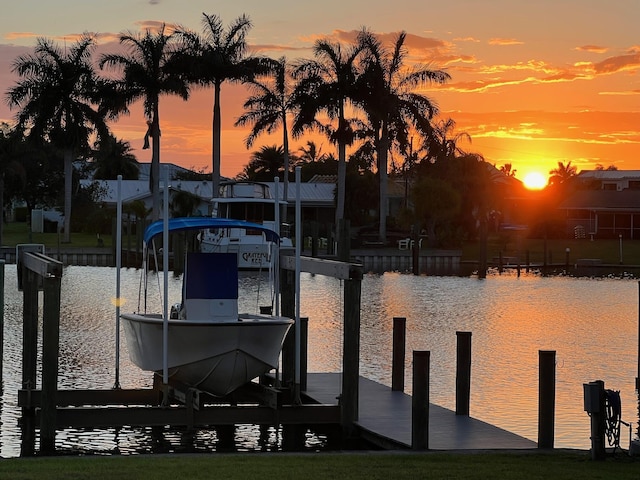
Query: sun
(535, 181)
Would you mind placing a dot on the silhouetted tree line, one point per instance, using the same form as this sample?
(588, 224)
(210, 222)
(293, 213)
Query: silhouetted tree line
(361, 95)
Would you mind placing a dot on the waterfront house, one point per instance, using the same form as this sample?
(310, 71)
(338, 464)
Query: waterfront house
(604, 204)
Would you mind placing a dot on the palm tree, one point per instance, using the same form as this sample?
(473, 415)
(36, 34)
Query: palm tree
(147, 74)
(508, 170)
(441, 145)
(11, 170)
(265, 164)
(562, 174)
(326, 84)
(56, 94)
(217, 56)
(267, 109)
(114, 157)
(311, 153)
(387, 95)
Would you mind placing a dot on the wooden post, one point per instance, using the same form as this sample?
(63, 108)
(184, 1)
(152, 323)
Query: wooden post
(546, 398)
(638, 374)
(463, 372)
(344, 241)
(397, 362)
(50, 348)
(420, 401)
(287, 308)
(314, 239)
(1, 321)
(304, 351)
(29, 356)
(351, 354)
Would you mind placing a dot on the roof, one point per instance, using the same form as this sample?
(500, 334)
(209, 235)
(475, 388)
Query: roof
(311, 194)
(609, 174)
(603, 200)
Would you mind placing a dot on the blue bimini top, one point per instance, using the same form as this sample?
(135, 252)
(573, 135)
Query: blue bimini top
(201, 223)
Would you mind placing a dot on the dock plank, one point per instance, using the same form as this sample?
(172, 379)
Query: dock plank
(387, 415)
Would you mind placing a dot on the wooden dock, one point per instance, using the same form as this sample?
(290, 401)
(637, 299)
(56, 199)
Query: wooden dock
(385, 419)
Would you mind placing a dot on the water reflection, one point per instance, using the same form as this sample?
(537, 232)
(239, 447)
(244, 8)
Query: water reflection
(592, 325)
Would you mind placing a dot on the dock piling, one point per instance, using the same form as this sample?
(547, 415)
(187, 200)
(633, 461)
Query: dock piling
(546, 398)
(463, 372)
(398, 355)
(420, 401)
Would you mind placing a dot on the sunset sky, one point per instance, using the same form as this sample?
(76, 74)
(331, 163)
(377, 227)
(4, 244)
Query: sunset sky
(533, 83)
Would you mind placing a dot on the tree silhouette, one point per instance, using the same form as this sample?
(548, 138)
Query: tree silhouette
(147, 74)
(219, 55)
(114, 157)
(387, 95)
(562, 173)
(57, 96)
(326, 85)
(267, 109)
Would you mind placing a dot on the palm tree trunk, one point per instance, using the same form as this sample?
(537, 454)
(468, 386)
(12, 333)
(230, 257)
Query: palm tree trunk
(285, 142)
(342, 177)
(68, 175)
(217, 134)
(154, 181)
(1, 208)
(382, 173)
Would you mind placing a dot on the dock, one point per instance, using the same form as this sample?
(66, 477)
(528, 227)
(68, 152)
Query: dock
(385, 419)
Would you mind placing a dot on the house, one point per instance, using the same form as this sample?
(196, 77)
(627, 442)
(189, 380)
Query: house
(606, 204)
(316, 198)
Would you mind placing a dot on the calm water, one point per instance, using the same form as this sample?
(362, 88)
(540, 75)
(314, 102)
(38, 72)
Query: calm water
(592, 325)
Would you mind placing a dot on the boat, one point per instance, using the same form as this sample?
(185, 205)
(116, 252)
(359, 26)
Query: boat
(253, 202)
(209, 345)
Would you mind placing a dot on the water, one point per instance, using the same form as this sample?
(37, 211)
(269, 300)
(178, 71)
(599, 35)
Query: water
(591, 324)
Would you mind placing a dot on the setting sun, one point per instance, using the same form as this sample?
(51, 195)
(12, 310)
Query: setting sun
(535, 181)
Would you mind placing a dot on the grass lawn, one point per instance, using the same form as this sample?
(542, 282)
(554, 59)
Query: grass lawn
(18, 232)
(607, 250)
(346, 466)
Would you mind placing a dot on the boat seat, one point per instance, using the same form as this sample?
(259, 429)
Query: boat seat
(211, 286)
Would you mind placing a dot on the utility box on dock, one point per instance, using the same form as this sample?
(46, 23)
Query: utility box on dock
(591, 397)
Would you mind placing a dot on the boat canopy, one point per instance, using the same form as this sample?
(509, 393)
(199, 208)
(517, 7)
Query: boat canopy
(200, 223)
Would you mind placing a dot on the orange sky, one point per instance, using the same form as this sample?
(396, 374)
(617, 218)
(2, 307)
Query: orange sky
(533, 83)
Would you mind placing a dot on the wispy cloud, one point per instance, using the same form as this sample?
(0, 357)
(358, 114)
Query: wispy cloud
(621, 93)
(592, 49)
(505, 41)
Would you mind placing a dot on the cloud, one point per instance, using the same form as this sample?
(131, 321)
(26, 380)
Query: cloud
(505, 41)
(19, 35)
(618, 64)
(277, 48)
(592, 49)
(626, 92)
(466, 39)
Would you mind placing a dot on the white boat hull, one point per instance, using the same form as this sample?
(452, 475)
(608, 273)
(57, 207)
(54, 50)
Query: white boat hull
(215, 356)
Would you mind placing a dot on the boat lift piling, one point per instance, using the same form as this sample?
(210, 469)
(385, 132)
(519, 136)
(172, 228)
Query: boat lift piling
(38, 269)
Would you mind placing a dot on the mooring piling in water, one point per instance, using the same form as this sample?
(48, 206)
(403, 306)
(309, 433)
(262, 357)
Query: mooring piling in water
(546, 398)
(463, 372)
(420, 401)
(398, 354)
